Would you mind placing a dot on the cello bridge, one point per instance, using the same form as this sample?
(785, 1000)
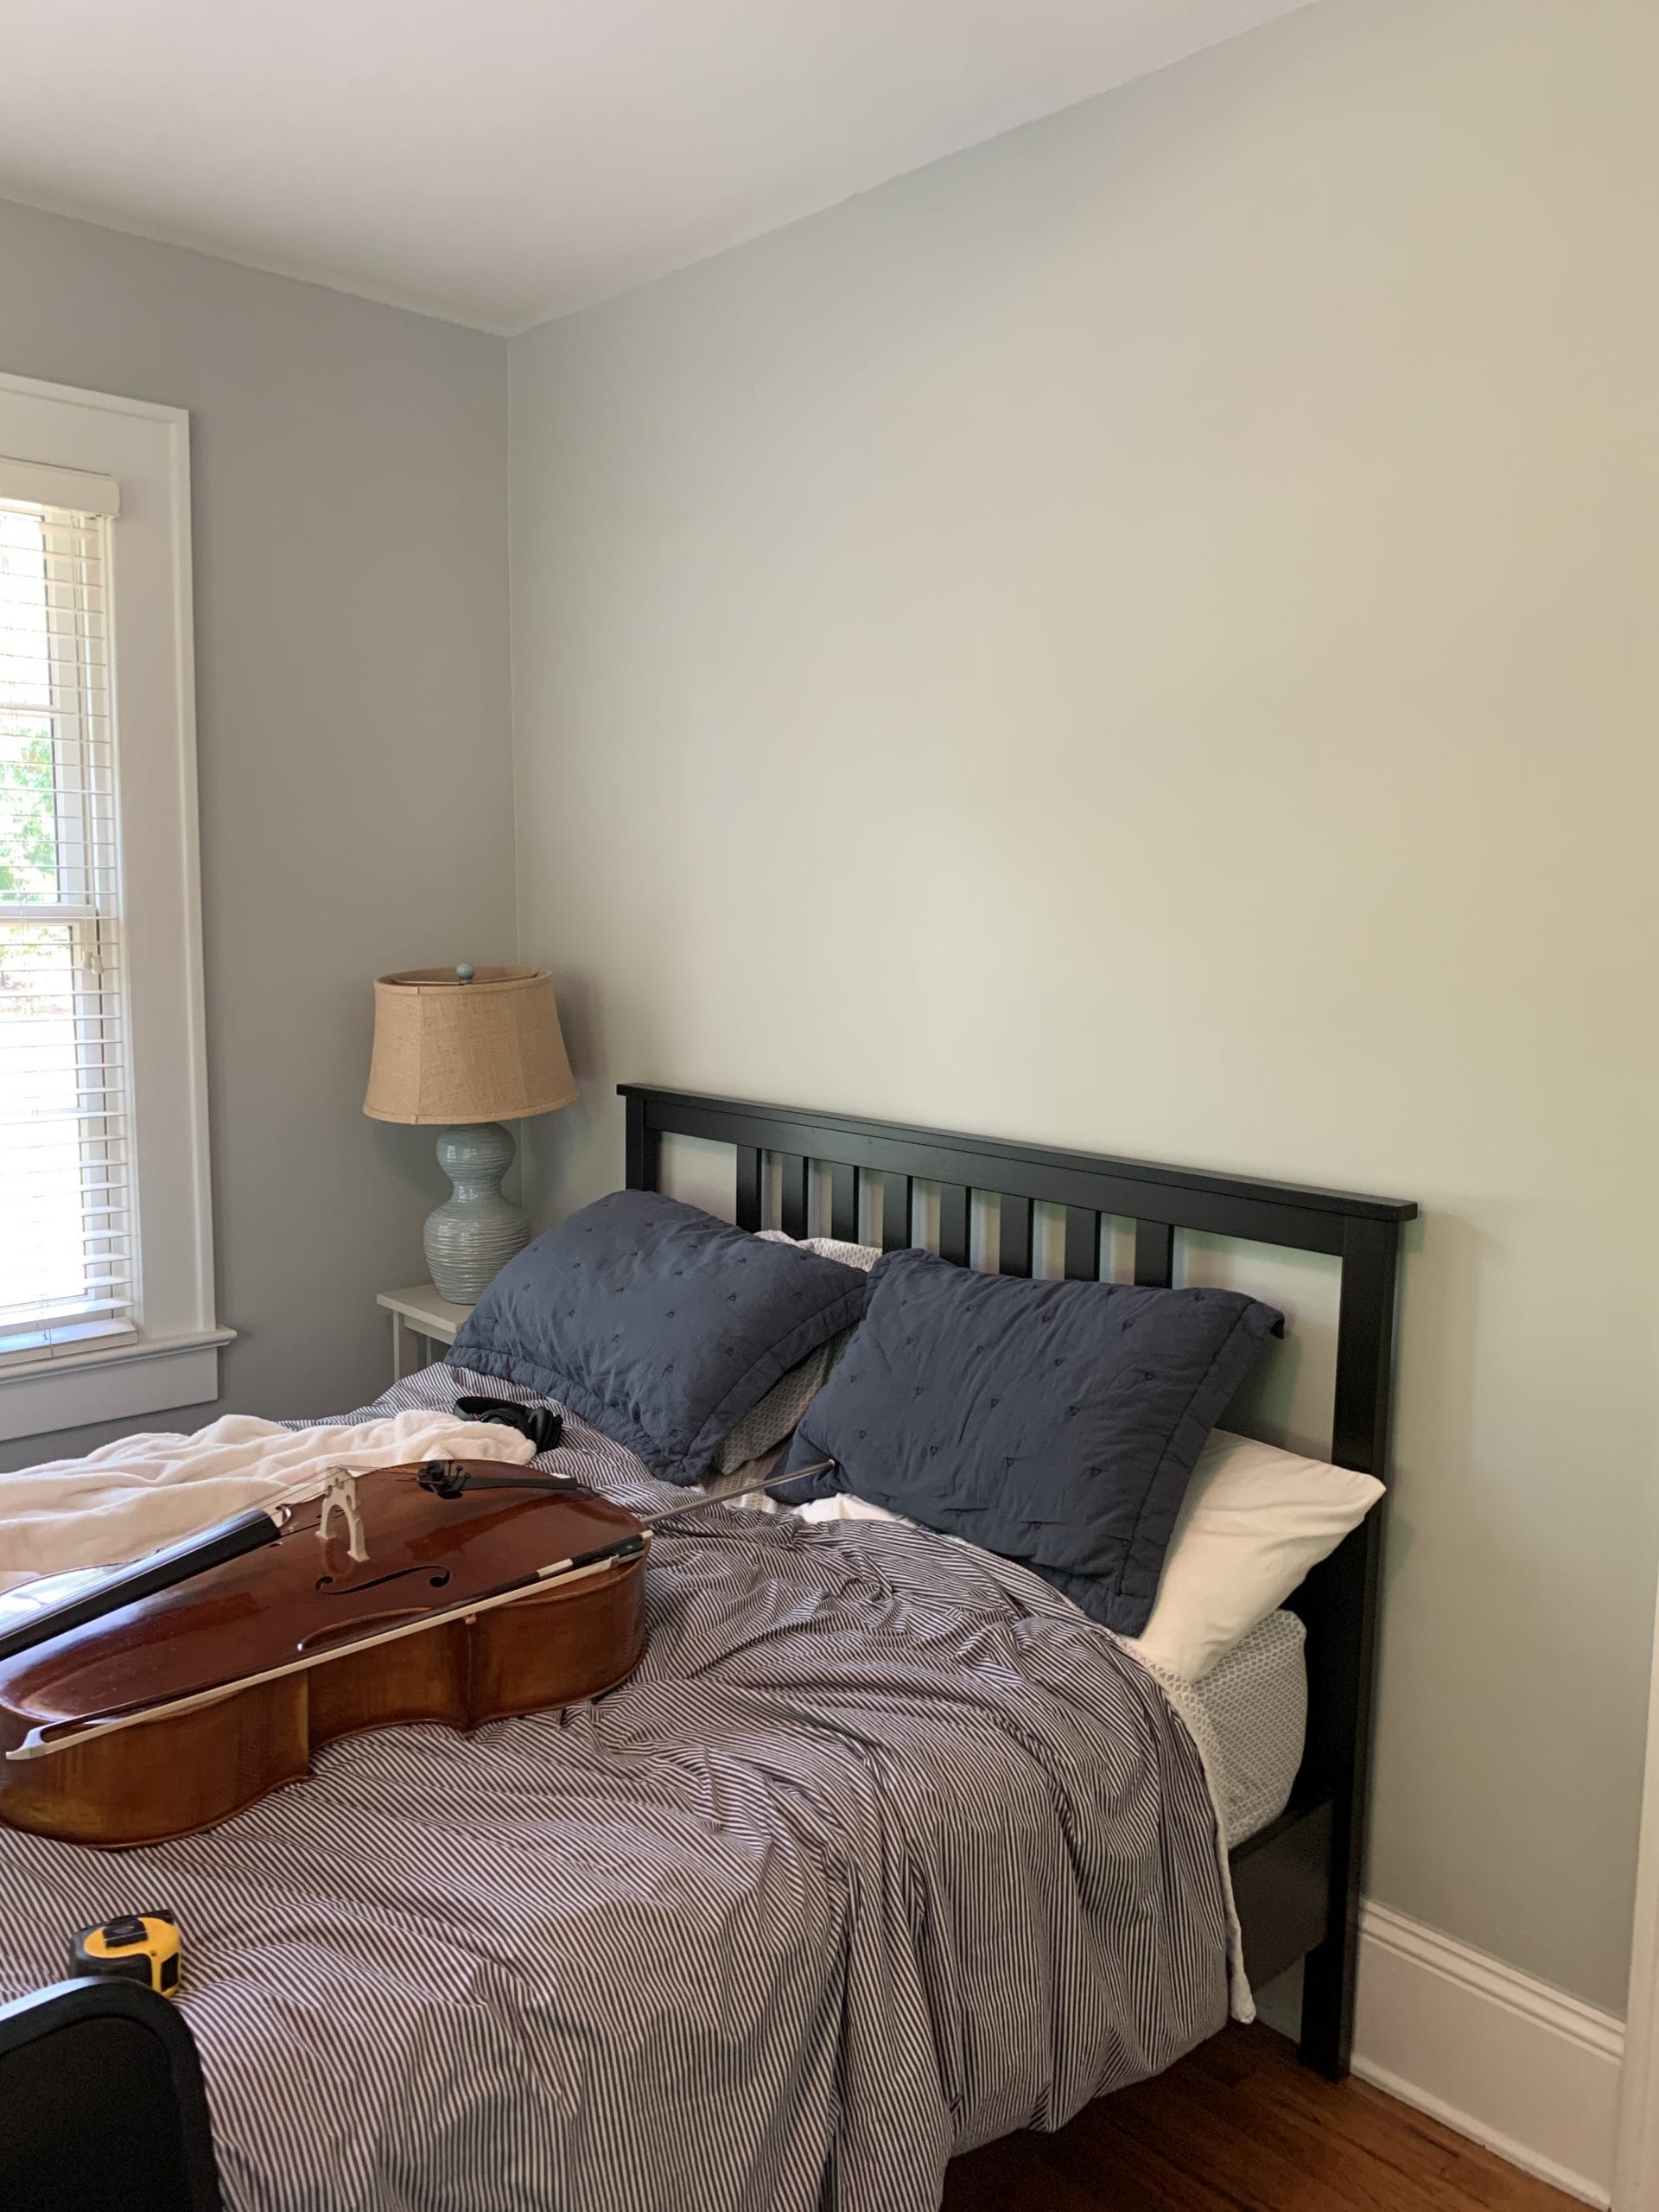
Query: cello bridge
(341, 1496)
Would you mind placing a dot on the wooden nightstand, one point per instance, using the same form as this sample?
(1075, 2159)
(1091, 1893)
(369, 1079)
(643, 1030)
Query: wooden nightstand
(419, 1311)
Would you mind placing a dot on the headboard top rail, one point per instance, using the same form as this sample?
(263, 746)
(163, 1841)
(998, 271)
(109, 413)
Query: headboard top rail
(1137, 1189)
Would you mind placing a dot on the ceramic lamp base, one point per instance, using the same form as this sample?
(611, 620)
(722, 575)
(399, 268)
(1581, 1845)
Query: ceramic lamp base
(471, 1236)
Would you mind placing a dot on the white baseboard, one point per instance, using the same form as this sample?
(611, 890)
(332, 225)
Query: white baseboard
(1529, 2072)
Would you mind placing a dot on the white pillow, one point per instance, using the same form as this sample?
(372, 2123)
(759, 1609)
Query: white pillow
(1253, 1520)
(841, 1505)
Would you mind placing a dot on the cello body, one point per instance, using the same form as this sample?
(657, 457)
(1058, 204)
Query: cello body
(171, 1714)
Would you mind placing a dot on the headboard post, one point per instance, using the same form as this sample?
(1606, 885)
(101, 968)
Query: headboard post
(1339, 1604)
(1359, 1422)
(644, 1145)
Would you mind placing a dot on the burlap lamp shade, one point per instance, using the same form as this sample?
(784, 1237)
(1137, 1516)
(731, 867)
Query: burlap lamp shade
(485, 1051)
(468, 1049)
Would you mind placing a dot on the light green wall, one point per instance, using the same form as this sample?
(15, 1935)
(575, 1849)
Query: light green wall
(1143, 636)
(349, 490)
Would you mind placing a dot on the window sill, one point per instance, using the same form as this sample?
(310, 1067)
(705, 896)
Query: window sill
(30, 1350)
(115, 1383)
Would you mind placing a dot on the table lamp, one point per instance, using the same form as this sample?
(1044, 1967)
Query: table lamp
(468, 1048)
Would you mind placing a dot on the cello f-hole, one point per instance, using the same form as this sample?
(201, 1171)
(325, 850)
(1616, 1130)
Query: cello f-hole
(330, 1588)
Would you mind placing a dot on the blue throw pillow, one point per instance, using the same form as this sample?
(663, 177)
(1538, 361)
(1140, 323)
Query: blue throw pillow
(656, 1322)
(1055, 1423)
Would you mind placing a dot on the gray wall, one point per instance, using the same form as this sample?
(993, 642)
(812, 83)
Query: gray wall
(1142, 636)
(351, 552)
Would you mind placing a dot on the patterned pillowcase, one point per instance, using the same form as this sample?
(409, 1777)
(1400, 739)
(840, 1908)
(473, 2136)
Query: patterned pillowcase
(778, 1412)
(861, 1257)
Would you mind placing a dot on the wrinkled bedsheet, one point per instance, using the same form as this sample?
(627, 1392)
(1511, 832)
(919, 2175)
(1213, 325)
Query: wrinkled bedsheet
(884, 1851)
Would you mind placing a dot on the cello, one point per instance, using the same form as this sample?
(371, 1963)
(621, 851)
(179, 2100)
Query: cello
(157, 1699)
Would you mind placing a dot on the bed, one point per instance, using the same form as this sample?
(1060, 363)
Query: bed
(885, 1852)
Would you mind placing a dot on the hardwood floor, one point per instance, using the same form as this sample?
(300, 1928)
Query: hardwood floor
(1239, 2126)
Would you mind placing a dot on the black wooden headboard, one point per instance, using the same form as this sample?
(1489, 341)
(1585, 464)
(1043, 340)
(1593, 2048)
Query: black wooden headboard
(1297, 1883)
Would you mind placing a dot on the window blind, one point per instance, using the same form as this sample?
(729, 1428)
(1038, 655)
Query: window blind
(68, 1267)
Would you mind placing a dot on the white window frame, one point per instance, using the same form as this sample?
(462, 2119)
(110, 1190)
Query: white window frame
(173, 1359)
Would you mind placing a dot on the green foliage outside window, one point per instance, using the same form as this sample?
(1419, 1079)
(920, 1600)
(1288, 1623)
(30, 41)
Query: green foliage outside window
(27, 838)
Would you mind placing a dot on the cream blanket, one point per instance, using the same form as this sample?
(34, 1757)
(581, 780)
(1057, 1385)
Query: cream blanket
(135, 1495)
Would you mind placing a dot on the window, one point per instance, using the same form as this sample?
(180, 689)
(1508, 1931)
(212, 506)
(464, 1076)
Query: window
(68, 1273)
(105, 1262)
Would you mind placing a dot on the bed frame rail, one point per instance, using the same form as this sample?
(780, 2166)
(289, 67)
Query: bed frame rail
(1298, 1882)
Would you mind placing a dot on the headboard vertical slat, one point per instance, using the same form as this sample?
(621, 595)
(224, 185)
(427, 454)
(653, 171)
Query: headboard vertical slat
(1014, 1237)
(844, 1203)
(793, 1169)
(751, 1210)
(895, 1211)
(1082, 1245)
(953, 1222)
(1154, 1255)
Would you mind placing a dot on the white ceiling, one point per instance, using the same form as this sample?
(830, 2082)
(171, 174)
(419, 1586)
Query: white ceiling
(499, 161)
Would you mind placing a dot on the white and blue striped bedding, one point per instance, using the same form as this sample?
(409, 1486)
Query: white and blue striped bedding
(885, 1850)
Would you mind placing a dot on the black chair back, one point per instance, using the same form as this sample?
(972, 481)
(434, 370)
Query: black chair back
(101, 2104)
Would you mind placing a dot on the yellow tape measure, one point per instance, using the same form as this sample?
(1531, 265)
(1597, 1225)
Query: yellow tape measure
(139, 1946)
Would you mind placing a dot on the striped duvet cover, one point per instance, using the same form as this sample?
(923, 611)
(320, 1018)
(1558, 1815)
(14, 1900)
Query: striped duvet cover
(884, 1851)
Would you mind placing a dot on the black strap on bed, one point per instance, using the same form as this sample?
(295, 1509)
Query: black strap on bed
(545, 1428)
(452, 1478)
